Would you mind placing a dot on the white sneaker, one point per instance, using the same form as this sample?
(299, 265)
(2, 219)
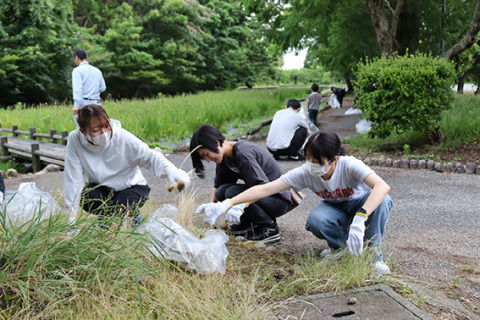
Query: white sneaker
(331, 254)
(380, 268)
(326, 252)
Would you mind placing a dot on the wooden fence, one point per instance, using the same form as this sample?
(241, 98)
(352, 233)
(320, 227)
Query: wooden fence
(39, 152)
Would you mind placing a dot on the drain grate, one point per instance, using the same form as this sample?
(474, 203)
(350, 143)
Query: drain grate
(374, 303)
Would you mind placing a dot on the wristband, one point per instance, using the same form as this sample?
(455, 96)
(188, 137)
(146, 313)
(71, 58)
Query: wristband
(362, 214)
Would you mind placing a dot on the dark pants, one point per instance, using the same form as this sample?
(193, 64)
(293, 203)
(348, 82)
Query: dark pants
(101, 200)
(297, 142)
(262, 212)
(312, 115)
(2, 184)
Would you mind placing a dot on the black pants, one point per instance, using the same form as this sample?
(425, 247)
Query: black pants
(101, 200)
(295, 144)
(2, 184)
(312, 115)
(262, 212)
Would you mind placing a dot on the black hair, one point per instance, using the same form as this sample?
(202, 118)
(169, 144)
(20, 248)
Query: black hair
(206, 136)
(294, 104)
(315, 87)
(324, 145)
(80, 53)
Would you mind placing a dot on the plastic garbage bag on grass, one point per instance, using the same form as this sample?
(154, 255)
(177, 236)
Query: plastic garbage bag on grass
(172, 241)
(29, 202)
(363, 126)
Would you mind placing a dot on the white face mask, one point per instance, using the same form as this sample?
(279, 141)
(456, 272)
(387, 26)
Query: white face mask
(102, 140)
(316, 169)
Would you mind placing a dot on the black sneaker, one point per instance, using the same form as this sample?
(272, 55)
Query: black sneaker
(297, 157)
(265, 233)
(241, 228)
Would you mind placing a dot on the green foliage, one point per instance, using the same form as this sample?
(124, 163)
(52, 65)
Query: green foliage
(35, 56)
(163, 118)
(401, 93)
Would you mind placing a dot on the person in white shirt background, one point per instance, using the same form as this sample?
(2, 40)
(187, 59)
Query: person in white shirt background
(87, 83)
(355, 206)
(110, 157)
(288, 132)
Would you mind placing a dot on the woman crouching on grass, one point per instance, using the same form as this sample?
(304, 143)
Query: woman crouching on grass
(110, 157)
(355, 206)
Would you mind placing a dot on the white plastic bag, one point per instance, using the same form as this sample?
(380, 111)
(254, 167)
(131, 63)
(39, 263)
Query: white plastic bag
(363, 126)
(353, 111)
(304, 114)
(333, 101)
(29, 202)
(174, 242)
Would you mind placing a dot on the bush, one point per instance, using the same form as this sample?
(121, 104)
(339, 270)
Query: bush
(405, 92)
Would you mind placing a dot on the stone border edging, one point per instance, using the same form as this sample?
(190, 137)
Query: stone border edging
(422, 164)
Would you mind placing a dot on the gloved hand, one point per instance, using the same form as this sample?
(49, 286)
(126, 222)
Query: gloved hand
(72, 219)
(213, 210)
(355, 236)
(174, 174)
(234, 214)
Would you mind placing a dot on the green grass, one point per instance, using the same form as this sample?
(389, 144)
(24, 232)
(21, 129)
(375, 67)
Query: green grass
(98, 274)
(166, 118)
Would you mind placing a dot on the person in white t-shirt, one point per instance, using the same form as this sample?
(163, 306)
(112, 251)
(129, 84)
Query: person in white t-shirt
(355, 206)
(288, 132)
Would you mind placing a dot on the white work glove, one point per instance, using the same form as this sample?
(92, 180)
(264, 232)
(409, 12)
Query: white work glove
(355, 236)
(174, 174)
(1, 196)
(234, 214)
(213, 210)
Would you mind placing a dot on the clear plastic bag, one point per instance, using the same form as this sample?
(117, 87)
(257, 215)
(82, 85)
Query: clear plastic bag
(363, 126)
(172, 241)
(29, 202)
(333, 101)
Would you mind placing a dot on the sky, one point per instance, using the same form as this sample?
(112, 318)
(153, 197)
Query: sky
(292, 61)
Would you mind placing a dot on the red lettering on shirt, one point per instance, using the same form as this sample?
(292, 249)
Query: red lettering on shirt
(339, 193)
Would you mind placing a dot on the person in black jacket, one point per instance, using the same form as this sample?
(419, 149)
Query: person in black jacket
(340, 93)
(254, 165)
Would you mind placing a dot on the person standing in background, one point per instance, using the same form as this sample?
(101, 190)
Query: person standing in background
(313, 103)
(87, 83)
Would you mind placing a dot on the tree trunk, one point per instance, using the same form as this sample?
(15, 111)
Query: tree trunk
(385, 38)
(469, 38)
(435, 135)
(461, 83)
(349, 85)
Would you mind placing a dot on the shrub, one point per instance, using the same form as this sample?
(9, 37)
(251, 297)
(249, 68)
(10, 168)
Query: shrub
(405, 92)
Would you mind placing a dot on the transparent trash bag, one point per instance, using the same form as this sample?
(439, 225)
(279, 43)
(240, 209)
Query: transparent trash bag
(363, 126)
(29, 202)
(172, 241)
(333, 101)
(304, 114)
(353, 111)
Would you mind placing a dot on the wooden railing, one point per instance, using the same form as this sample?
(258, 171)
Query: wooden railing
(53, 136)
(39, 152)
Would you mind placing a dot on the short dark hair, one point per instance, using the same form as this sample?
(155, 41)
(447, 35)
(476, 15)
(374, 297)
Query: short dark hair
(324, 145)
(92, 111)
(80, 53)
(293, 103)
(315, 87)
(206, 136)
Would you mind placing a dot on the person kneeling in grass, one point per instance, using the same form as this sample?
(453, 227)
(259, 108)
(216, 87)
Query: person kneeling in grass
(255, 166)
(355, 206)
(110, 157)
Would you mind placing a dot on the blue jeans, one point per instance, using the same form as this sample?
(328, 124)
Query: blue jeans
(331, 221)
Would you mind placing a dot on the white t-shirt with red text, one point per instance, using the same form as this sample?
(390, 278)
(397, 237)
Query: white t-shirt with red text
(347, 182)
